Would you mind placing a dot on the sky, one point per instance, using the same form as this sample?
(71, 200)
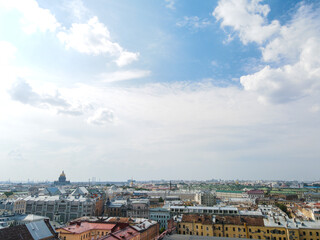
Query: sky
(164, 89)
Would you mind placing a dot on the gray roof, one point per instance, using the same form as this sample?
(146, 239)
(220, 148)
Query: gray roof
(80, 191)
(39, 230)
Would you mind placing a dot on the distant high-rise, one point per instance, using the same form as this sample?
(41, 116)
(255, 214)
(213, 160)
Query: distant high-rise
(62, 180)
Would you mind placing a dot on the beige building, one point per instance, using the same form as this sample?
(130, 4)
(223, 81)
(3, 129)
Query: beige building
(205, 199)
(14, 206)
(19, 206)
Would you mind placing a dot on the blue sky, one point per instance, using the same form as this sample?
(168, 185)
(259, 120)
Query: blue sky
(116, 89)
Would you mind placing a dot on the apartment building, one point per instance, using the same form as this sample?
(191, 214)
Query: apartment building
(138, 208)
(252, 227)
(14, 206)
(60, 209)
(205, 198)
(160, 215)
(117, 208)
(87, 230)
(176, 210)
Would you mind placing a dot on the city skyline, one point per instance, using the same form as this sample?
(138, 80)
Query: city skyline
(168, 89)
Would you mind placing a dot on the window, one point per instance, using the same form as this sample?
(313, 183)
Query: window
(234, 229)
(249, 229)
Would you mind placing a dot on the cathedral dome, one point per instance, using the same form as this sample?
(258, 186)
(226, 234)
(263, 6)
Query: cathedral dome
(62, 177)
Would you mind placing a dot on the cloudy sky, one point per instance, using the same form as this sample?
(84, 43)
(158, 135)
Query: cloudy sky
(164, 89)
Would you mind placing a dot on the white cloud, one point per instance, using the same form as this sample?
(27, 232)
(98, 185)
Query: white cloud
(15, 155)
(22, 92)
(124, 75)
(290, 63)
(94, 38)
(296, 51)
(248, 18)
(170, 4)
(315, 108)
(77, 8)
(126, 58)
(102, 117)
(34, 17)
(193, 22)
(197, 124)
(291, 40)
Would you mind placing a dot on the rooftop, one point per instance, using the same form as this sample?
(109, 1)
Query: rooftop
(81, 227)
(194, 218)
(237, 220)
(123, 234)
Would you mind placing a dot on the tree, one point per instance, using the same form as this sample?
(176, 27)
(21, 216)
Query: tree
(284, 209)
(162, 230)
(8, 194)
(161, 199)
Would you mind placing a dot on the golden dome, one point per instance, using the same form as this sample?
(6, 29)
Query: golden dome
(62, 174)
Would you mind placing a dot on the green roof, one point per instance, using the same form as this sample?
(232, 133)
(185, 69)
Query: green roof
(229, 191)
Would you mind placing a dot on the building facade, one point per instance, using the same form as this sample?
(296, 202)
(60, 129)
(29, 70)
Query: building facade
(116, 208)
(138, 208)
(60, 209)
(86, 230)
(249, 227)
(160, 215)
(13, 206)
(206, 199)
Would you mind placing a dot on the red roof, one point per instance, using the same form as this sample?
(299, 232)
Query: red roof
(123, 234)
(255, 192)
(87, 226)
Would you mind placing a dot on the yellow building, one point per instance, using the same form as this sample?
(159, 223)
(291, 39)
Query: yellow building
(195, 225)
(252, 227)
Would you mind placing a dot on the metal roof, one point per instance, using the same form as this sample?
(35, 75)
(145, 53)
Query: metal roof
(39, 230)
